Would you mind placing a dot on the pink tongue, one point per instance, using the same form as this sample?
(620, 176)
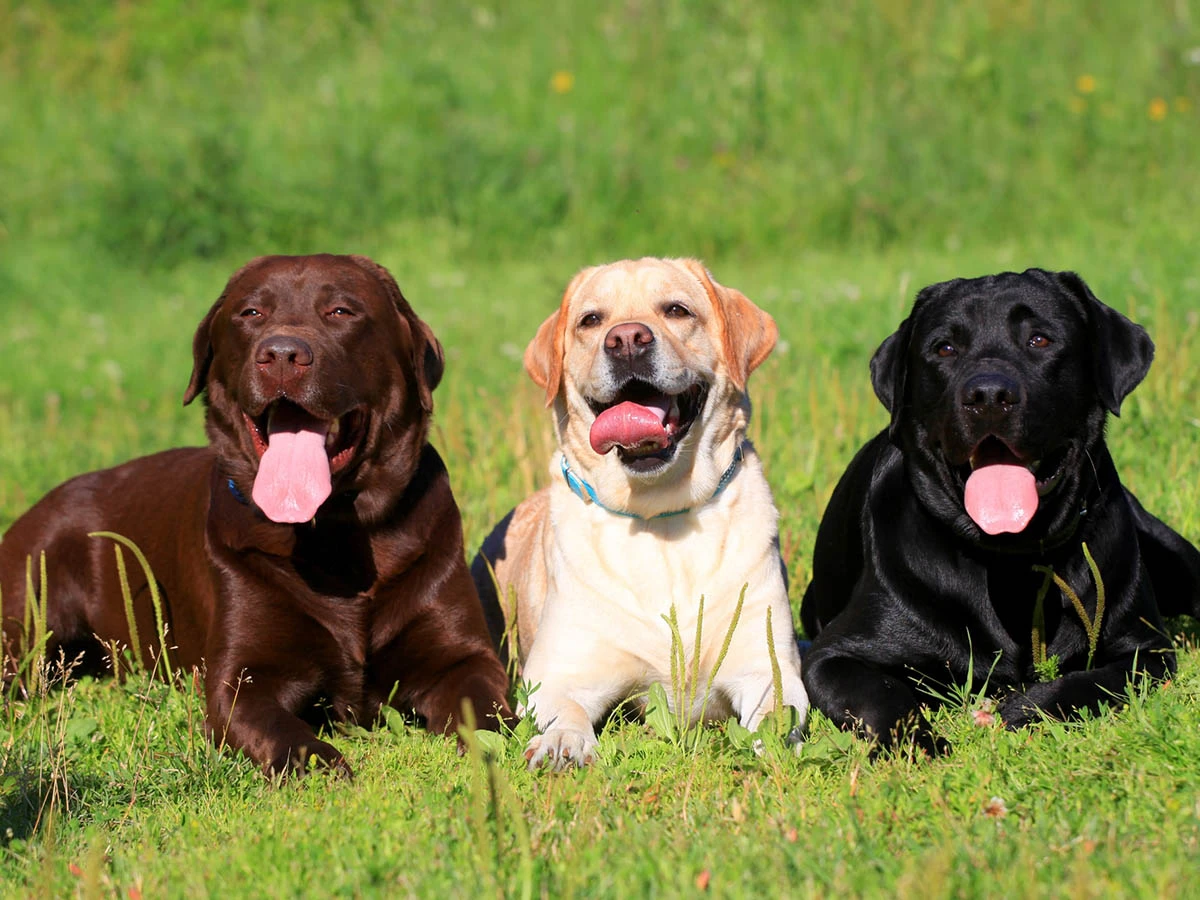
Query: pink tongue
(1001, 497)
(293, 474)
(631, 426)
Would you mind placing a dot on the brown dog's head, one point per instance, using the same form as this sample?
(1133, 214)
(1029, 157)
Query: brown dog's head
(646, 363)
(318, 378)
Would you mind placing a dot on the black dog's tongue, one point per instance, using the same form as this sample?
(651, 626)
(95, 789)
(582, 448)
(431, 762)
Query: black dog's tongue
(1001, 494)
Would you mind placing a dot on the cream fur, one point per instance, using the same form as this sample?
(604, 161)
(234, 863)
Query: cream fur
(592, 587)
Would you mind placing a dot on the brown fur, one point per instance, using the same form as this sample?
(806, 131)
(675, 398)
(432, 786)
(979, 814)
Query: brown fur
(368, 604)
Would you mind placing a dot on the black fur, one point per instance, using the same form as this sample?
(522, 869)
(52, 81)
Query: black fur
(908, 590)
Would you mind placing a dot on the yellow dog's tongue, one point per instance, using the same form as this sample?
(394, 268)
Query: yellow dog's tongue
(1001, 497)
(632, 426)
(293, 475)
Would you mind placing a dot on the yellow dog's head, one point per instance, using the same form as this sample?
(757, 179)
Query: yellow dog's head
(646, 363)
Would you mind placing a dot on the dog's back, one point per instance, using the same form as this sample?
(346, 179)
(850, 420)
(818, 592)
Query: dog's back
(159, 503)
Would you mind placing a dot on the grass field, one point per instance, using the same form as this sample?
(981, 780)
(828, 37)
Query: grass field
(828, 162)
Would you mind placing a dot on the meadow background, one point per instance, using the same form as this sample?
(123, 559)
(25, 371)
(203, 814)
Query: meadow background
(827, 158)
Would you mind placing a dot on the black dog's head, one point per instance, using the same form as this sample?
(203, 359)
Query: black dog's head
(998, 389)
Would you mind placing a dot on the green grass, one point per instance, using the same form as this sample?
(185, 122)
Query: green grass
(828, 162)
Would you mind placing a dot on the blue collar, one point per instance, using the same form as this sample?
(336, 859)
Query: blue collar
(237, 495)
(587, 493)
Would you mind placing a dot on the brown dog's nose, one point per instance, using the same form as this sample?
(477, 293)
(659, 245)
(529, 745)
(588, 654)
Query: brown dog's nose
(285, 349)
(993, 393)
(629, 339)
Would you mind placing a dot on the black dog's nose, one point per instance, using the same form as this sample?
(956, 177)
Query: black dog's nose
(629, 339)
(993, 392)
(283, 348)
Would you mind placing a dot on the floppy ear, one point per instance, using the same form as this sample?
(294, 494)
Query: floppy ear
(1121, 350)
(544, 355)
(889, 371)
(428, 360)
(202, 354)
(202, 349)
(748, 333)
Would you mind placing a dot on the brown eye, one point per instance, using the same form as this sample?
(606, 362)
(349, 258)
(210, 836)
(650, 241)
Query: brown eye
(591, 320)
(677, 311)
(946, 351)
(1040, 342)
(341, 311)
(249, 313)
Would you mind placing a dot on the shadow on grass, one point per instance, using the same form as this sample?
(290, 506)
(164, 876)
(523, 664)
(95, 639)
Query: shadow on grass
(29, 799)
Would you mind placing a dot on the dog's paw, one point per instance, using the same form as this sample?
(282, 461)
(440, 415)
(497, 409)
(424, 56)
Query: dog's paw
(1019, 710)
(561, 748)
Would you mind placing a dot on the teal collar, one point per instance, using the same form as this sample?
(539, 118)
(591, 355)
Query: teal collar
(587, 493)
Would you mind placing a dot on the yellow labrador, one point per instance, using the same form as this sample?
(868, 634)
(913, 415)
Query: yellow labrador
(656, 499)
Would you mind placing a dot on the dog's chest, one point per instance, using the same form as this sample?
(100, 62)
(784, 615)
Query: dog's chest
(634, 571)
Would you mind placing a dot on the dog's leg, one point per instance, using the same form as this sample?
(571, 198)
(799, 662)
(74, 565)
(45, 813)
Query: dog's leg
(752, 696)
(862, 698)
(245, 713)
(1064, 697)
(564, 713)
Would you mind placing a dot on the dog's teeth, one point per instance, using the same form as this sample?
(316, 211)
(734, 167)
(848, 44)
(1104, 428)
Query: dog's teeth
(330, 439)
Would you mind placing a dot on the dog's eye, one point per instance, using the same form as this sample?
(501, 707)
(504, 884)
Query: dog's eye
(340, 312)
(591, 320)
(677, 311)
(1040, 342)
(250, 313)
(946, 351)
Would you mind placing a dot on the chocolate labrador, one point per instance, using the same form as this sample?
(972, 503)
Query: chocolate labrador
(953, 543)
(311, 557)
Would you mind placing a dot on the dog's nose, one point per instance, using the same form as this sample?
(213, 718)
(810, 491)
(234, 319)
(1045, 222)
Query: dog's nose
(283, 349)
(991, 392)
(629, 339)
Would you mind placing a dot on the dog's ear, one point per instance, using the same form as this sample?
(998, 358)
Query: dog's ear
(428, 359)
(748, 333)
(1121, 350)
(889, 371)
(202, 354)
(202, 348)
(544, 355)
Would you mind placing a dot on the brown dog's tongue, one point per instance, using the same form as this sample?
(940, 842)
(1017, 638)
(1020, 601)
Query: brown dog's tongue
(1001, 497)
(293, 475)
(631, 426)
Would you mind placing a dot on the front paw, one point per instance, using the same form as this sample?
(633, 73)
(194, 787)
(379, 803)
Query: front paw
(561, 748)
(318, 756)
(1020, 708)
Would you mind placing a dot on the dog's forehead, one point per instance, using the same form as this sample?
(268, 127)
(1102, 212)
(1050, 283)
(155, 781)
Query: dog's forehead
(306, 276)
(635, 284)
(996, 301)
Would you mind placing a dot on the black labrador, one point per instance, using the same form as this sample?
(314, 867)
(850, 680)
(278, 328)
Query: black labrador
(942, 556)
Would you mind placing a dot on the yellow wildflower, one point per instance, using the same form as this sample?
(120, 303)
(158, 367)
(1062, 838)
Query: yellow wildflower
(562, 82)
(1182, 104)
(1085, 84)
(1157, 110)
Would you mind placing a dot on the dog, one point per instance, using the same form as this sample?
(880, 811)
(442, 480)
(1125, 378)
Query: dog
(311, 556)
(657, 501)
(936, 560)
